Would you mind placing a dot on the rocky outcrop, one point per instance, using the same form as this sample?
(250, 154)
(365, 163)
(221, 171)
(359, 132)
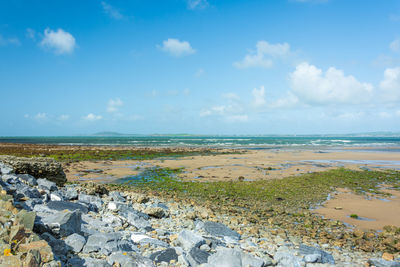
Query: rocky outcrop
(42, 224)
(38, 167)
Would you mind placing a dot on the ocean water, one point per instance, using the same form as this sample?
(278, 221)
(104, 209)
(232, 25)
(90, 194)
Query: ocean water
(247, 142)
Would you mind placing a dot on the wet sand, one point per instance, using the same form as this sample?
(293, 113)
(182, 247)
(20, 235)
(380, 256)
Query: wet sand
(251, 165)
(373, 211)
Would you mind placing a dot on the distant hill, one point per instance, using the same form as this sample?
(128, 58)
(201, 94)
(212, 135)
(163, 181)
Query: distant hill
(109, 134)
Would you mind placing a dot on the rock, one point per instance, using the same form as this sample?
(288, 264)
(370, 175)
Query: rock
(65, 205)
(46, 185)
(312, 258)
(387, 256)
(197, 256)
(63, 223)
(250, 260)
(383, 263)
(70, 193)
(116, 196)
(91, 262)
(55, 196)
(287, 259)
(189, 239)
(325, 256)
(156, 212)
(135, 218)
(24, 191)
(26, 218)
(105, 243)
(75, 242)
(57, 245)
(5, 169)
(8, 261)
(164, 256)
(129, 260)
(29, 179)
(226, 257)
(38, 167)
(93, 200)
(219, 229)
(46, 253)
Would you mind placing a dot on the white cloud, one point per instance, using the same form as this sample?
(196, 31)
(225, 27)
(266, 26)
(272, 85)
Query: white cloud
(395, 46)
(197, 4)
(384, 115)
(259, 97)
(233, 111)
(176, 48)
(92, 117)
(111, 11)
(114, 104)
(60, 41)
(286, 102)
(63, 117)
(390, 85)
(41, 116)
(398, 113)
(263, 55)
(312, 86)
(9, 41)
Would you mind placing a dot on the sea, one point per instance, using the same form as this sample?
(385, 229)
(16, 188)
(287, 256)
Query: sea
(378, 143)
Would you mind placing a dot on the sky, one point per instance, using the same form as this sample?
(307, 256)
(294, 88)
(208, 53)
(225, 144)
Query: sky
(199, 67)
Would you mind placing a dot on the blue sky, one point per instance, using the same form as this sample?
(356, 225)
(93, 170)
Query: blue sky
(201, 67)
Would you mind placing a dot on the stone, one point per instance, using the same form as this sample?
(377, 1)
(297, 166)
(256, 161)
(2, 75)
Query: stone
(219, 229)
(287, 259)
(63, 223)
(90, 199)
(5, 169)
(57, 245)
(75, 242)
(32, 259)
(91, 262)
(156, 212)
(226, 257)
(27, 178)
(383, 263)
(8, 261)
(129, 260)
(26, 218)
(325, 256)
(197, 256)
(24, 191)
(166, 255)
(250, 260)
(387, 256)
(116, 196)
(46, 185)
(106, 243)
(189, 239)
(17, 233)
(136, 219)
(37, 167)
(55, 196)
(65, 205)
(46, 253)
(70, 193)
(312, 258)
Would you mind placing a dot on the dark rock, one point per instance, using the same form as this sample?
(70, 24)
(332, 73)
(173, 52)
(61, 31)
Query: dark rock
(197, 256)
(29, 179)
(25, 191)
(5, 169)
(105, 243)
(164, 255)
(38, 167)
(62, 223)
(57, 245)
(219, 229)
(325, 256)
(65, 205)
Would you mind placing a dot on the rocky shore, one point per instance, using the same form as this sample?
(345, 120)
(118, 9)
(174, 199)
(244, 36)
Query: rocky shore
(45, 224)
